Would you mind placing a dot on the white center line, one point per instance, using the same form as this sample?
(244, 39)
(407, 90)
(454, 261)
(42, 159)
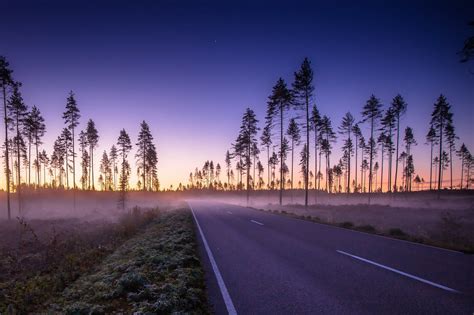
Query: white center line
(229, 212)
(256, 222)
(220, 281)
(399, 272)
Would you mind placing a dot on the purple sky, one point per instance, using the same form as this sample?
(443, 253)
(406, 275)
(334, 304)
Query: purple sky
(191, 68)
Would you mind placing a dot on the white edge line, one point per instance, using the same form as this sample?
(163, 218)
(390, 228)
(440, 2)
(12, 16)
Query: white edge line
(229, 212)
(220, 281)
(400, 272)
(366, 233)
(256, 222)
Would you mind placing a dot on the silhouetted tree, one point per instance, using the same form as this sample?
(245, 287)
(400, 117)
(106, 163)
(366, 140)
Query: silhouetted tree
(388, 125)
(451, 142)
(245, 141)
(372, 113)
(44, 160)
(399, 108)
(294, 133)
(283, 153)
(431, 139)
(71, 118)
(85, 159)
(337, 172)
(440, 118)
(17, 111)
(328, 137)
(444, 163)
(363, 149)
(345, 129)
(384, 143)
(409, 141)
(376, 169)
(228, 164)
(113, 156)
(304, 161)
(6, 82)
(92, 141)
(124, 146)
(260, 171)
(358, 136)
(279, 102)
(57, 159)
(66, 140)
(144, 144)
(37, 128)
(315, 123)
(266, 140)
(273, 163)
(409, 170)
(464, 155)
(303, 91)
(218, 173)
(106, 170)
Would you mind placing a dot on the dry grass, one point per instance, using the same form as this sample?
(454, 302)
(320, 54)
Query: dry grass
(40, 258)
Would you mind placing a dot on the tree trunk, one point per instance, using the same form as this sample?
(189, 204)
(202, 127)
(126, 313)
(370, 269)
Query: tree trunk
(356, 172)
(144, 168)
(431, 165)
(371, 156)
(29, 163)
(18, 184)
(381, 173)
(396, 158)
(73, 162)
(281, 154)
(37, 164)
(451, 166)
(315, 161)
(306, 179)
(92, 168)
(349, 166)
(7, 172)
(440, 153)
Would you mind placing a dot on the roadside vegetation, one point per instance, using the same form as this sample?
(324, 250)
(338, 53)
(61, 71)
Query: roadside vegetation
(449, 231)
(147, 261)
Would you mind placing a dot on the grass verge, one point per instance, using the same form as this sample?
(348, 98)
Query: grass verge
(157, 271)
(448, 239)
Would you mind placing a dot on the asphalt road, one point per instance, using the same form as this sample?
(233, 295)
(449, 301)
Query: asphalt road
(260, 263)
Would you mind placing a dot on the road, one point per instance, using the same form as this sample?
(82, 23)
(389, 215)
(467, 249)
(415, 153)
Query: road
(261, 263)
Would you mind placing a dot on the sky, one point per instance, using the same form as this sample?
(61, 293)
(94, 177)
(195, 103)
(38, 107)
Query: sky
(191, 68)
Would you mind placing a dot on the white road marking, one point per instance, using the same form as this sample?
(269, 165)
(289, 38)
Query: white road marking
(399, 272)
(229, 212)
(256, 222)
(220, 281)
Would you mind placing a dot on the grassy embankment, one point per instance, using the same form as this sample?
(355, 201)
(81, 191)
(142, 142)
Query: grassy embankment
(147, 262)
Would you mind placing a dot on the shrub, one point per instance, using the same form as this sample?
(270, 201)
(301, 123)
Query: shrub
(347, 225)
(366, 228)
(396, 232)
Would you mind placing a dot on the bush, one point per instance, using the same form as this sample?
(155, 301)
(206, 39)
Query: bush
(396, 232)
(347, 225)
(366, 228)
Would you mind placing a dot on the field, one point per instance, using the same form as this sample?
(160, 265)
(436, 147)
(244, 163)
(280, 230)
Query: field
(102, 261)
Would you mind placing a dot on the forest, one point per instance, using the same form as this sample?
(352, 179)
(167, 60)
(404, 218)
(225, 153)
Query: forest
(380, 161)
(291, 151)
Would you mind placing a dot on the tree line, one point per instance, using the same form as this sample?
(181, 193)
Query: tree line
(26, 164)
(384, 161)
